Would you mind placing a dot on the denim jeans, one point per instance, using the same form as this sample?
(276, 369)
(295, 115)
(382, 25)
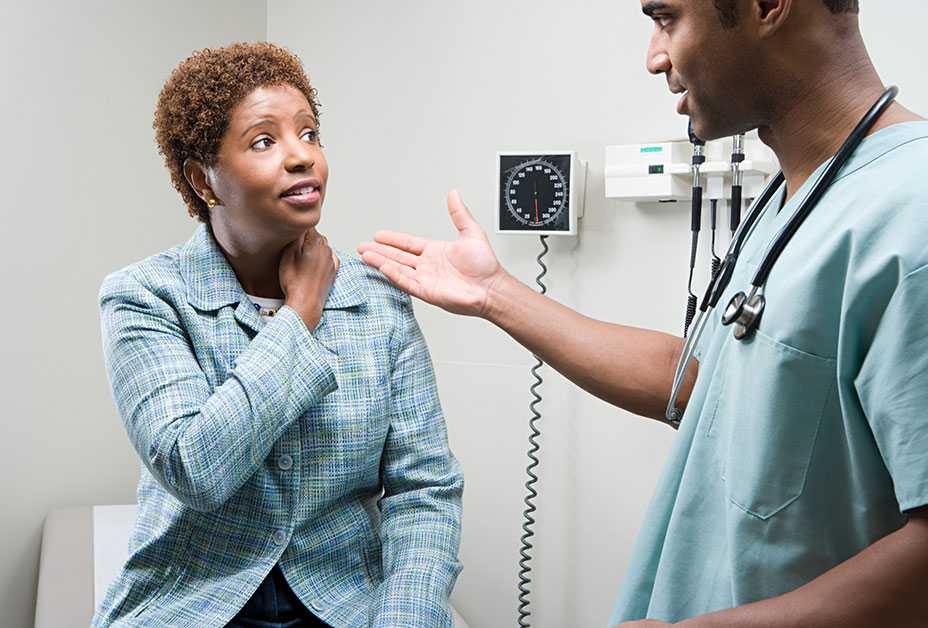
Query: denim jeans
(275, 605)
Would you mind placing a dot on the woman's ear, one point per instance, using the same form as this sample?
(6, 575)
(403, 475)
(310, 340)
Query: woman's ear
(197, 175)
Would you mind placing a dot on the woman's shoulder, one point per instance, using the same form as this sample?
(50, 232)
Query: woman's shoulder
(370, 282)
(157, 274)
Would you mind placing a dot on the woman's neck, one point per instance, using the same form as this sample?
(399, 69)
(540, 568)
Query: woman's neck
(255, 262)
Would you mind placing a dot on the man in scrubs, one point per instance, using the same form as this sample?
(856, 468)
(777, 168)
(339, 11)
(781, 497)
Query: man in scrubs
(796, 493)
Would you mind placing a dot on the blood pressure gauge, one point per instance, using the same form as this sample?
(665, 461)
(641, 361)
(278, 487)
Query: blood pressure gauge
(540, 193)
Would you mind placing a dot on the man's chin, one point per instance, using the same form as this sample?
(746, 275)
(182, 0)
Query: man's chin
(707, 130)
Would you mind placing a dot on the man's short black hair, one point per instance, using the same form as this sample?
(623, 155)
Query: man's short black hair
(728, 9)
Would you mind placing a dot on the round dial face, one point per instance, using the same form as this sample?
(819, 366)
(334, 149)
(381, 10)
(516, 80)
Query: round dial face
(535, 193)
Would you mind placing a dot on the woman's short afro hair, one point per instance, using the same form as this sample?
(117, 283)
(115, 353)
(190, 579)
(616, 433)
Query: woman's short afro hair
(195, 103)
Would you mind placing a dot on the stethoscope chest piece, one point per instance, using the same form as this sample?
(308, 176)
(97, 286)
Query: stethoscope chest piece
(744, 313)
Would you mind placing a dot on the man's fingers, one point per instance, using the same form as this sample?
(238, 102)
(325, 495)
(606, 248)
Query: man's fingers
(402, 278)
(392, 253)
(372, 258)
(404, 241)
(378, 261)
(461, 217)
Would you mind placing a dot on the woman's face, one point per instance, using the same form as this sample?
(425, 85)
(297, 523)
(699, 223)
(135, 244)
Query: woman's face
(270, 174)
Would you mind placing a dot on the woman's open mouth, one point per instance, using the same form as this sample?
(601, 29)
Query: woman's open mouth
(306, 194)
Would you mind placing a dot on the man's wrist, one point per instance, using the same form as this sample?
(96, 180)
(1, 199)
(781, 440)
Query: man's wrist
(498, 292)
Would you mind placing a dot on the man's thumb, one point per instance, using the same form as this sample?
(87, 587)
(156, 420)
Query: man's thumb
(461, 217)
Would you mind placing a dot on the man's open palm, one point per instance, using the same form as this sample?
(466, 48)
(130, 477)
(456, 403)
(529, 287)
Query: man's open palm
(456, 276)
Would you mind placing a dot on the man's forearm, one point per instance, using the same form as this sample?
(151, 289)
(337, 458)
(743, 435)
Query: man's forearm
(882, 587)
(628, 367)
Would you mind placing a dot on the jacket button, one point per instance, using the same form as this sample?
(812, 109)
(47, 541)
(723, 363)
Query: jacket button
(280, 537)
(285, 462)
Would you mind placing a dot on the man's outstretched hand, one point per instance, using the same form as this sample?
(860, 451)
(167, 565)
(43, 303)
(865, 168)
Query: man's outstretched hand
(456, 276)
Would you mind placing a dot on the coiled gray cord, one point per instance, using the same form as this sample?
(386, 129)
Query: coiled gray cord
(529, 520)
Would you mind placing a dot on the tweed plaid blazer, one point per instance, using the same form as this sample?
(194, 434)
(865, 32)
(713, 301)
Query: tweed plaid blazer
(263, 443)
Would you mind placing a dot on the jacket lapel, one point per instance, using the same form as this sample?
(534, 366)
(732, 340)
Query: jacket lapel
(212, 284)
(348, 290)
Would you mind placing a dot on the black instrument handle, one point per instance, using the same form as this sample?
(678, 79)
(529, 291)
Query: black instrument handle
(735, 207)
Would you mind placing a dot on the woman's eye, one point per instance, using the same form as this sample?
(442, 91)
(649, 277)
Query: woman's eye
(662, 21)
(310, 135)
(262, 143)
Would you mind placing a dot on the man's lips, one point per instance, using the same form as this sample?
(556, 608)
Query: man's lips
(682, 108)
(676, 88)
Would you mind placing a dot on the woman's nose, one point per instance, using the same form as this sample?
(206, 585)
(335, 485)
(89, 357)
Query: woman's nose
(300, 156)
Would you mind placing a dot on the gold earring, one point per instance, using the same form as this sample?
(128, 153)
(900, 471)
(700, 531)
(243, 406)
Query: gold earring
(211, 202)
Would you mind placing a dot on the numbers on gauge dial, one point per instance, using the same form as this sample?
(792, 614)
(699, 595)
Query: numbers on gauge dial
(536, 193)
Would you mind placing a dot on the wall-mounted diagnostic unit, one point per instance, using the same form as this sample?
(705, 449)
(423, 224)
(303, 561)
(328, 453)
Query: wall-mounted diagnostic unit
(661, 172)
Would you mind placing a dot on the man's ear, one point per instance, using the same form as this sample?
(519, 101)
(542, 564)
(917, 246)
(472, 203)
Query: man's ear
(769, 16)
(197, 175)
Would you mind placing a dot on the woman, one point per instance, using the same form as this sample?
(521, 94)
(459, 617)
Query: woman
(296, 466)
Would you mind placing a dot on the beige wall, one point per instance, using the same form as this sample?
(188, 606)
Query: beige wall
(84, 193)
(417, 98)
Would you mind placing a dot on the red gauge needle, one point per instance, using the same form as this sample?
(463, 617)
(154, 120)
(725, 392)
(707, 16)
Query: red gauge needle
(535, 186)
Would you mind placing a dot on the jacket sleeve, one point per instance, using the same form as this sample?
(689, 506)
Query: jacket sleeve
(201, 444)
(421, 506)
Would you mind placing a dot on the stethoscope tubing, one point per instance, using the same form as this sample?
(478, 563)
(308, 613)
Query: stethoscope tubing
(821, 186)
(672, 414)
(720, 282)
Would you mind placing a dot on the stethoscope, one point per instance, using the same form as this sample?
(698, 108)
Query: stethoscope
(744, 310)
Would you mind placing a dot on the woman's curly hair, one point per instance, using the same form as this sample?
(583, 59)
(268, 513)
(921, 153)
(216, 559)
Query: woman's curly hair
(195, 103)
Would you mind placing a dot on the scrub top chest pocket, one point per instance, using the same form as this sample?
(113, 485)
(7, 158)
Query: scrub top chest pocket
(768, 418)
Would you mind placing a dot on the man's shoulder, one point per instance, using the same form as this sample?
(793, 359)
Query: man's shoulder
(883, 202)
(893, 170)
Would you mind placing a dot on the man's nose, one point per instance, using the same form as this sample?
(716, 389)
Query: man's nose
(658, 59)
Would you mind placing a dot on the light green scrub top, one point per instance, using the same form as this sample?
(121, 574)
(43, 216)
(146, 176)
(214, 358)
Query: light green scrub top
(806, 443)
